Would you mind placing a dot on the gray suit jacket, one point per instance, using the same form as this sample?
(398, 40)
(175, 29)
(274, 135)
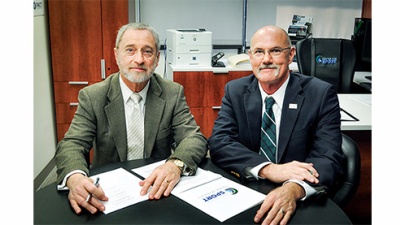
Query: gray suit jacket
(99, 123)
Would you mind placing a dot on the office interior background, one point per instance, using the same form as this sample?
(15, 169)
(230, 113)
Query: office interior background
(333, 19)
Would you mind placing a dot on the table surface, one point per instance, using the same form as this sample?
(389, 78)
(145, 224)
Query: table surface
(358, 105)
(52, 206)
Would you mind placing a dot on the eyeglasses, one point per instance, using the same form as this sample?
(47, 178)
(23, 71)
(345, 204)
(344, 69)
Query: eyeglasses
(146, 53)
(274, 52)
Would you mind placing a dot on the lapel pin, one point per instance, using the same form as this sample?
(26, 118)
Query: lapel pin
(292, 106)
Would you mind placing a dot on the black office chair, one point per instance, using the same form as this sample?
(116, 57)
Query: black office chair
(330, 59)
(352, 172)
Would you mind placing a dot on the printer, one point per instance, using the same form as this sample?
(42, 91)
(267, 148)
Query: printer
(187, 48)
(300, 28)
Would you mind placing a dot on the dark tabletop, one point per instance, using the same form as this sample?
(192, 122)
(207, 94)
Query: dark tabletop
(52, 206)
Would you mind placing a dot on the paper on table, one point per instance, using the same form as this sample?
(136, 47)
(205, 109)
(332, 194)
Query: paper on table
(212, 193)
(222, 198)
(146, 170)
(122, 189)
(186, 182)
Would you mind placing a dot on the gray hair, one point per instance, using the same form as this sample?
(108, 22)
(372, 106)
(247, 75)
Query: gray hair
(138, 26)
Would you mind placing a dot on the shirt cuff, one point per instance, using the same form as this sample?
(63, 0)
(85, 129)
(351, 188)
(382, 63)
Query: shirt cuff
(307, 188)
(63, 186)
(254, 172)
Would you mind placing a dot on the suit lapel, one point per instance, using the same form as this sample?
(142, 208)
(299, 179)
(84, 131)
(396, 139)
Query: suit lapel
(116, 117)
(252, 104)
(153, 115)
(290, 111)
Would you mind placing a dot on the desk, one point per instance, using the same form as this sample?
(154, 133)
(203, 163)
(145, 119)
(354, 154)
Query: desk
(52, 207)
(358, 105)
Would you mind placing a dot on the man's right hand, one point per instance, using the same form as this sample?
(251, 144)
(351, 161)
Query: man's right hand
(80, 187)
(280, 173)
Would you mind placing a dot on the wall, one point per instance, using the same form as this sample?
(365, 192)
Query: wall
(43, 114)
(224, 17)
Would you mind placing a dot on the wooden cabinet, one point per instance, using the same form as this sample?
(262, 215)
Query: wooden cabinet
(367, 9)
(204, 91)
(82, 38)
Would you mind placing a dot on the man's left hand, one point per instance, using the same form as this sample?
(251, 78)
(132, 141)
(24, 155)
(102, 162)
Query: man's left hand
(162, 180)
(280, 204)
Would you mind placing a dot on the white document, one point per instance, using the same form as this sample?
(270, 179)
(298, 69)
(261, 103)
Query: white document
(186, 182)
(122, 189)
(222, 198)
(146, 170)
(201, 177)
(211, 193)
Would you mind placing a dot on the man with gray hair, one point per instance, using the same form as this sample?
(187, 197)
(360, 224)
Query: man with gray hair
(132, 114)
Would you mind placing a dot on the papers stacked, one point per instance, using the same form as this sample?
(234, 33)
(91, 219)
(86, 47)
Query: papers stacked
(211, 193)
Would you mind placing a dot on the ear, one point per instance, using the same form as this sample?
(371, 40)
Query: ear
(292, 53)
(158, 58)
(116, 54)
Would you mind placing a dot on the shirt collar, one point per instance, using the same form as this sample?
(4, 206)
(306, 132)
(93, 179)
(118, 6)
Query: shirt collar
(126, 92)
(278, 96)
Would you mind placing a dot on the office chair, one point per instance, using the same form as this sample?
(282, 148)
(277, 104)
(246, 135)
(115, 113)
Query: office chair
(330, 59)
(351, 171)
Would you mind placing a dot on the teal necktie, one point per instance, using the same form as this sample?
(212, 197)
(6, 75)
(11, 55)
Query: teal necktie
(268, 132)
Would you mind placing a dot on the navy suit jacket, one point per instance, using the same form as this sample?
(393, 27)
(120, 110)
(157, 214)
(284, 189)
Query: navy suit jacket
(309, 133)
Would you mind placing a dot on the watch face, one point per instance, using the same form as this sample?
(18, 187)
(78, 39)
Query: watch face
(179, 163)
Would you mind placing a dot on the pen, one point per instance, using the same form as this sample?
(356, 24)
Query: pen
(96, 184)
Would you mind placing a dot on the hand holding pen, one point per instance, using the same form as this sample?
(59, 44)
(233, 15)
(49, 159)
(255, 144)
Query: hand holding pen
(91, 194)
(95, 204)
(81, 191)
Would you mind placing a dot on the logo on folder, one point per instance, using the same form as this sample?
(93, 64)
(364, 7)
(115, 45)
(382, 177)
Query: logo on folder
(213, 196)
(231, 190)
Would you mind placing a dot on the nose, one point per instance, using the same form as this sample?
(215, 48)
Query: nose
(138, 57)
(267, 57)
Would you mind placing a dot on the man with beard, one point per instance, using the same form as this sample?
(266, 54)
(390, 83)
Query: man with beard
(306, 157)
(102, 122)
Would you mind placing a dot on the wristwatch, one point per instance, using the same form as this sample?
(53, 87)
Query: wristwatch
(181, 165)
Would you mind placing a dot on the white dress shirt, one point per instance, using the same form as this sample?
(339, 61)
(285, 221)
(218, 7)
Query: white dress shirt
(279, 96)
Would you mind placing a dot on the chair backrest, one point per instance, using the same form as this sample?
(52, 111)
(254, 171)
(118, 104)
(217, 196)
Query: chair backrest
(330, 59)
(351, 170)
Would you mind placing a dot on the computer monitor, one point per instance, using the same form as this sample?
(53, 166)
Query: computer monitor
(362, 40)
(367, 44)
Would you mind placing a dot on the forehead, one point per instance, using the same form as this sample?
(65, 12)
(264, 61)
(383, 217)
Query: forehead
(137, 38)
(268, 39)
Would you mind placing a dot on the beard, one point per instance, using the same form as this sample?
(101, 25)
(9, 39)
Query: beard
(137, 77)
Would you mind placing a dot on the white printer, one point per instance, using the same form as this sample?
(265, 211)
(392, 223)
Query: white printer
(189, 47)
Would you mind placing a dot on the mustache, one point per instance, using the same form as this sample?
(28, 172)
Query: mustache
(268, 66)
(138, 67)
